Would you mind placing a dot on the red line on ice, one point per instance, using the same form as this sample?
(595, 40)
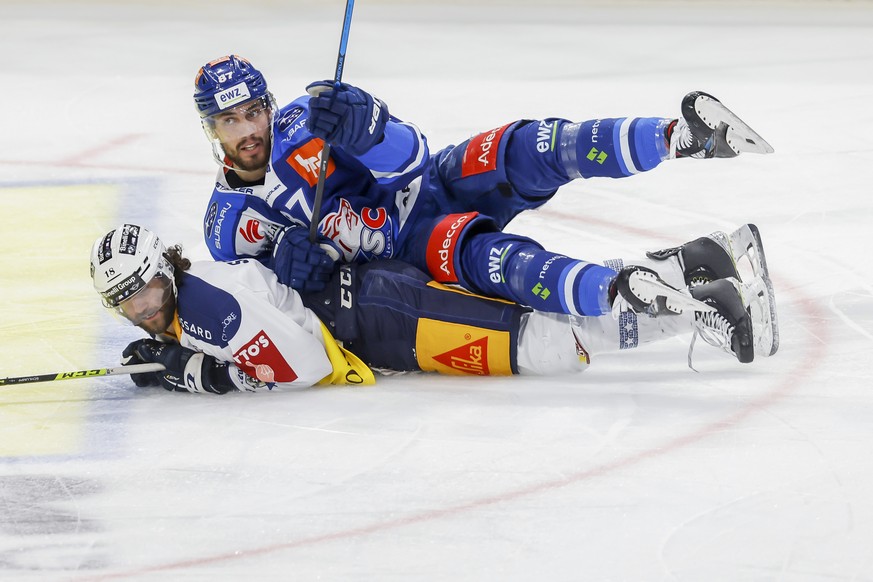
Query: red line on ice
(815, 345)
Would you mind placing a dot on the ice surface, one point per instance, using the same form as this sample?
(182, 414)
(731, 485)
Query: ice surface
(637, 470)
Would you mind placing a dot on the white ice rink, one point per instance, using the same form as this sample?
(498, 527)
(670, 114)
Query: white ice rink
(637, 470)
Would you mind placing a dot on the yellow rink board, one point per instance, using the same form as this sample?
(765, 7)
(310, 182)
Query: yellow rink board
(48, 311)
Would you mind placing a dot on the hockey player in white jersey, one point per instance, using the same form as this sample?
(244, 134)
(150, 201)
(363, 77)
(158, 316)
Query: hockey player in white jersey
(219, 327)
(387, 196)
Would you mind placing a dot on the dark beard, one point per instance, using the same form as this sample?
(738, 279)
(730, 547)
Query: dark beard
(250, 166)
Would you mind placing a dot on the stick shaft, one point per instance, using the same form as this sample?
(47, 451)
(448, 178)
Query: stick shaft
(325, 150)
(117, 371)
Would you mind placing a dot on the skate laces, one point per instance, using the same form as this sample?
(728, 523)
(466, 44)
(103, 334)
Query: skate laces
(714, 329)
(682, 141)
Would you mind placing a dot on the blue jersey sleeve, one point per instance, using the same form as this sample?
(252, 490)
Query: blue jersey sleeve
(238, 226)
(402, 152)
(395, 161)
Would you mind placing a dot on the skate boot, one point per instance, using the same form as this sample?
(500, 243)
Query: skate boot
(708, 129)
(729, 325)
(641, 290)
(738, 255)
(702, 260)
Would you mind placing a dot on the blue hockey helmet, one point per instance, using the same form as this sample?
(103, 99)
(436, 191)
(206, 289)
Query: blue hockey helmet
(226, 82)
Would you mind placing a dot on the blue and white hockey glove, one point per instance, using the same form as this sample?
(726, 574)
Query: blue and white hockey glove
(300, 264)
(186, 370)
(345, 116)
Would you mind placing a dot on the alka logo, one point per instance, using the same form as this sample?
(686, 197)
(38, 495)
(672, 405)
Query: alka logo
(471, 358)
(251, 231)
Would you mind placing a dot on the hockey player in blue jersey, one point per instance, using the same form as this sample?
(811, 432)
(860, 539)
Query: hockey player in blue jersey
(218, 327)
(387, 196)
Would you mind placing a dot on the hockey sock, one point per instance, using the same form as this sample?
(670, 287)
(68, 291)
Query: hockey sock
(515, 268)
(613, 148)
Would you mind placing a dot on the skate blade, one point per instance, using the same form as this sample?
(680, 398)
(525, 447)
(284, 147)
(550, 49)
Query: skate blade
(740, 137)
(757, 288)
(649, 289)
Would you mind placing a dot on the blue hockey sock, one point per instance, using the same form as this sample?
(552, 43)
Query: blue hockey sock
(613, 148)
(516, 268)
(544, 155)
(550, 282)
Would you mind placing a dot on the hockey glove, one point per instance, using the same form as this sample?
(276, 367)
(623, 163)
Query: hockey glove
(129, 357)
(300, 264)
(346, 116)
(186, 370)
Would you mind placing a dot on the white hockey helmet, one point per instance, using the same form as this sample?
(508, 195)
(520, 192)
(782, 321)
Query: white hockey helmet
(128, 262)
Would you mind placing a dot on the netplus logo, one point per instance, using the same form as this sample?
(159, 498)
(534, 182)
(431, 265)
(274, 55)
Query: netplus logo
(595, 155)
(541, 291)
(471, 358)
(251, 231)
(595, 128)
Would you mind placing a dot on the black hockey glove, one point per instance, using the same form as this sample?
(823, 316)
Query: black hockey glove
(186, 370)
(346, 116)
(300, 264)
(129, 358)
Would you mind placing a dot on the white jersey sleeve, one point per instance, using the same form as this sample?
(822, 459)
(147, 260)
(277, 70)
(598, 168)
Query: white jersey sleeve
(239, 313)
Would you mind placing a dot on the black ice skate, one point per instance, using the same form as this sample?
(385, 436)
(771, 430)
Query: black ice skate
(738, 255)
(708, 129)
(729, 325)
(702, 260)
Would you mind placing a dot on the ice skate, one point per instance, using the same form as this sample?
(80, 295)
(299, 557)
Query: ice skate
(705, 259)
(757, 288)
(738, 255)
(708, 129)
(641, 290)
(729, 325)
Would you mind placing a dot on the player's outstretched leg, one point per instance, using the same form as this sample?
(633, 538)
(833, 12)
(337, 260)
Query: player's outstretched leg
(708, 129)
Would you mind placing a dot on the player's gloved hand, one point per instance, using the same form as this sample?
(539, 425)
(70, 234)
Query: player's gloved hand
(346, 116)
(129, 357)
(186, 370)
(299, 263)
